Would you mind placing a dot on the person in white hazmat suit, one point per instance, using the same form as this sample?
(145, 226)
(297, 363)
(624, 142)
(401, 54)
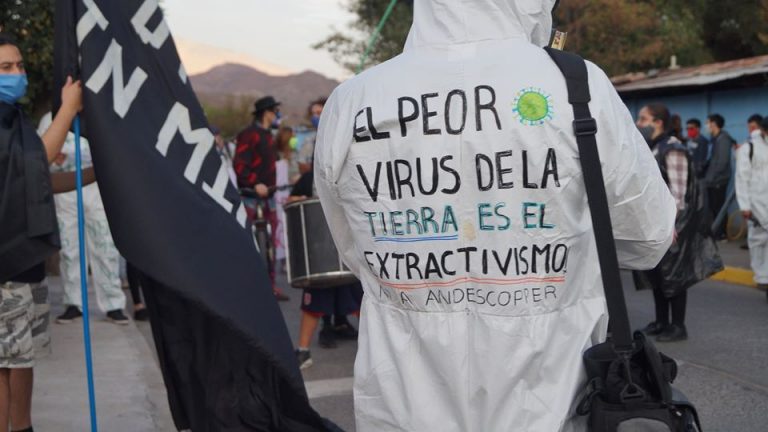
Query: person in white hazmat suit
(450, 180)
(752, 196)
(102, 255)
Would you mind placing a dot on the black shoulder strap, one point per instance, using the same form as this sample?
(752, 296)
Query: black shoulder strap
(574, 69)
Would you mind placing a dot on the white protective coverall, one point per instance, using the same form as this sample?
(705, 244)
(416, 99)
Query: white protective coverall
(752, 195)
(102, 255)
(450, 179)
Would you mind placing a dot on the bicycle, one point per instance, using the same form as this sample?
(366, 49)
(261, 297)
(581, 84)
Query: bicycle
(735, 226)
(261, 227)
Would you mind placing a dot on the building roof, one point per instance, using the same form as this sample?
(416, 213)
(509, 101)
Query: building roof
(691, 76)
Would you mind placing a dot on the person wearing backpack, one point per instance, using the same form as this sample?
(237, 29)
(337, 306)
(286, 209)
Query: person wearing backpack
(678, 171)
(752, 196)
(451, 180)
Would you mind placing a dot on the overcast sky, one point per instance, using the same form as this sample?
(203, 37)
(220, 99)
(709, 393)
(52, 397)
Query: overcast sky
(278, 32)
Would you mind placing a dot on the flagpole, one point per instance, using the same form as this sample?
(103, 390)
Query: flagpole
(375, 35)
(84, 276)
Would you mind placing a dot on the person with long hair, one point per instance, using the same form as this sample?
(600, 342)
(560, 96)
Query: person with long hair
(672, 277)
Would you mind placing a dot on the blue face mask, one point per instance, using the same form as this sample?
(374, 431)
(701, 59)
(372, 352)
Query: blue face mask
(315, 121)
(277, 120)
(12, 87)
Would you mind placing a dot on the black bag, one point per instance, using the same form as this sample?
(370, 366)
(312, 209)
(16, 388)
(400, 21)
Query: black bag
(629, 387)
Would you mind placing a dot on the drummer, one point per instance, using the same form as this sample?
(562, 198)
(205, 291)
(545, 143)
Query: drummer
(324, 302)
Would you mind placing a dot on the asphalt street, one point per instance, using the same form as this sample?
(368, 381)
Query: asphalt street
(723, 366)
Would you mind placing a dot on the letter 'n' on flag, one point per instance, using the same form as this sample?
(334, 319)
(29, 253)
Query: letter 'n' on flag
(224, 349)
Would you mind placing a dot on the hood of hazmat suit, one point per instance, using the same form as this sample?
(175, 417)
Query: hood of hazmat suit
(450, 180)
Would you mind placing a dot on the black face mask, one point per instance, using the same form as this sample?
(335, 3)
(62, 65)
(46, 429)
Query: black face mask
(647, 133)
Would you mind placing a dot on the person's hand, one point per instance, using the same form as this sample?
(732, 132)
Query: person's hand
(72, 96)
(296, 198)
(59, 159)
(261, 190)
(747, 214)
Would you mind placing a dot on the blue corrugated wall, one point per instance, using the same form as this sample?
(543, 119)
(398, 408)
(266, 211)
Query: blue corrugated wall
(734, 105)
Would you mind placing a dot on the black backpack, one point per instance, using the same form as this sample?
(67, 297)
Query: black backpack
(629, 386)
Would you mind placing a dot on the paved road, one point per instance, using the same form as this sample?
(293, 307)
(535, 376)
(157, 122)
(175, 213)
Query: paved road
(130, 395)
(723, 365)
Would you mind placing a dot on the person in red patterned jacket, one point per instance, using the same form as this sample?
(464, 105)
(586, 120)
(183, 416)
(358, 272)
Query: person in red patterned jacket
(254, 163)
(255, 155)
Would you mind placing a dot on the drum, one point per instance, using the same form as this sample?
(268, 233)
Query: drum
(312, 258)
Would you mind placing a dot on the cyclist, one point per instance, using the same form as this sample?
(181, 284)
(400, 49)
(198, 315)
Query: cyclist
(254, 163)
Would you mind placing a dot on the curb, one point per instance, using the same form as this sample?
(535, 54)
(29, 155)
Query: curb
(736, 275)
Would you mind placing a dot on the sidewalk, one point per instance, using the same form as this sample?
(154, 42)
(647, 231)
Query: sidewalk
(736, 260)
(130, 395)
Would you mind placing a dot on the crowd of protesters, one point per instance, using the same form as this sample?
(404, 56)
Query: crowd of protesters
(699, 172)
(272, 168)
(265, 159)
(269, 161)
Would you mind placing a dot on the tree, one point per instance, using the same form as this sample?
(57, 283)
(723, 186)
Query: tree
(230, 116)
(619, 35)
(348, 48)
(625, 35)
(31, 24)
(736, 28)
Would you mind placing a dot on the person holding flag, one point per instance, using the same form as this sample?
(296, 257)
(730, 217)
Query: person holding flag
(224, 350)
(28, 230)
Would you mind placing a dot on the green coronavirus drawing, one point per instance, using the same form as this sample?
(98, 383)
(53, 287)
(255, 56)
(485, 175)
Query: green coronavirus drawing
(532, 106)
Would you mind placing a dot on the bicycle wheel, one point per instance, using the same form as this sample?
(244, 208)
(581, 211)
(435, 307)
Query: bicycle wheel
(262, 242)
(736, 227)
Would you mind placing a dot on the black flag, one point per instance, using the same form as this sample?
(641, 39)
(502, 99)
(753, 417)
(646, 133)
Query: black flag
(225, 352)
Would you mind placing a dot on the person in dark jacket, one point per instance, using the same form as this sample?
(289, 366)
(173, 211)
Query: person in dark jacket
(693, 257)
(718, 173)
(698, 146)
(336, 302)
(28, 228)
(255, 165)
(255, 155)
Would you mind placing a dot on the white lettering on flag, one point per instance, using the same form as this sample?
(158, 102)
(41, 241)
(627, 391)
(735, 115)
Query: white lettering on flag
(241, 215)
(202, 139)
(155, 38)
(89, 20)
(182, 73)
(123, 95)
(219, 188)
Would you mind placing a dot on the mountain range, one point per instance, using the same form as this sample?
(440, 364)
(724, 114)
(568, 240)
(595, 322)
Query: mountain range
(235, 85)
